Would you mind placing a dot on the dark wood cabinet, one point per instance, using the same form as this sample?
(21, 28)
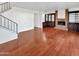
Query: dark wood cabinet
(49, 20)
(48, 24)
(73, 27)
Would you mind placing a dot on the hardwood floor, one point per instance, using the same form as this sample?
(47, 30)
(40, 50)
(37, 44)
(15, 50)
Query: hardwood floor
(47, 42)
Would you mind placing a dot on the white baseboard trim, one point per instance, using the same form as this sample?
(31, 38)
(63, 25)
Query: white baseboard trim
(9, 39)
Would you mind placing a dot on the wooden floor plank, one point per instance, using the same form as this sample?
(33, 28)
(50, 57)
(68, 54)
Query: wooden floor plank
(46, 42)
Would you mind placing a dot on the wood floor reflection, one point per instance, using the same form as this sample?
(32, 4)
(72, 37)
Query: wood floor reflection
(46, 42)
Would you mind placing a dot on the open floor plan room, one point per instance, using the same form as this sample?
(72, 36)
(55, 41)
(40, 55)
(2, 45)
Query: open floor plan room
(39, 28)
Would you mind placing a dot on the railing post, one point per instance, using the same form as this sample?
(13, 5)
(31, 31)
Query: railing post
(4, 23)
(0, 21)
(16, 28)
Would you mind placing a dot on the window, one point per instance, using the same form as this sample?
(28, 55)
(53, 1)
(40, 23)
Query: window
(74, 17)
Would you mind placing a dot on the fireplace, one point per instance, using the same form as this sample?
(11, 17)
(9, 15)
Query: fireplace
(61, 23)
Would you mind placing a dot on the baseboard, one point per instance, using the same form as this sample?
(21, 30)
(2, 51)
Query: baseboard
(37, 28)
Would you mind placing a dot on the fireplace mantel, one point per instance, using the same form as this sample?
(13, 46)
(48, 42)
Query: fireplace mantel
(60, 19)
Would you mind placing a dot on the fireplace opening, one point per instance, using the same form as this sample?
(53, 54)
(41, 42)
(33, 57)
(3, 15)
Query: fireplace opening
(61, 23)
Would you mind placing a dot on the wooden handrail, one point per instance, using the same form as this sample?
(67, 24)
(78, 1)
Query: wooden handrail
(8, 19)
(4, 3)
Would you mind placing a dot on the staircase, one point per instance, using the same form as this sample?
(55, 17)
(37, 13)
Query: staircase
(7, 25)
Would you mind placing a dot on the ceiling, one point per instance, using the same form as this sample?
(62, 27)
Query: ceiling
(45, 6)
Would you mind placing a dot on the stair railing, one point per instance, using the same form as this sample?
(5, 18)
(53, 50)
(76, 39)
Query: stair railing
(8, 24)
(5, 6)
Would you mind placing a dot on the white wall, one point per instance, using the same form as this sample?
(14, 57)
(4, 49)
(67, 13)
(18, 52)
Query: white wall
(74, 9)
(6, 35)
(24, 18)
